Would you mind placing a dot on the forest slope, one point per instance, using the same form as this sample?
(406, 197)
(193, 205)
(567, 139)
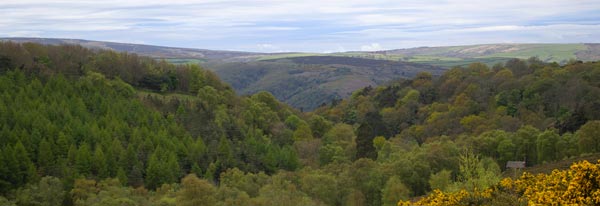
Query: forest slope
(97, 127)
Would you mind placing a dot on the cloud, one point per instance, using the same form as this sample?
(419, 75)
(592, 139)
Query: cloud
(269, 48)
(382, 19)
(372, 47)
(266, 47)
(309, 25)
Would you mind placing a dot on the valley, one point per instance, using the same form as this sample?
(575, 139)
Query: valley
(309, 80)
(87, 126)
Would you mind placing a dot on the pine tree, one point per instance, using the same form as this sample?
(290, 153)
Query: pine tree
(122, 176)
(100, 167)
(83, 160)
(128, 158)
(197, 152)
(136, 176)
(72, 155)
(156, 173)
(5, 171)
(196, 170)
(210, 171)
(111, 163)
(45, 158)
(225, 154)
(172, 168)
(25, 166)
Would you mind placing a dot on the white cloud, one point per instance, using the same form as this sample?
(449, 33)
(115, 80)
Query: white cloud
(266, 46)
(308, 25)
(372, 47)
(269, 48)
(382, 19)
(276, 28)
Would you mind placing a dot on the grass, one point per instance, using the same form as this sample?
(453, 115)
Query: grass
(365, 55)
(445, 56)
(461, 62)
(432, 58)
(185, 61)
(546, 52)
(287, 55)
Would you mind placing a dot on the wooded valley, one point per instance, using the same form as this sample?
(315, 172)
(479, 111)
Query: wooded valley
(99, 127)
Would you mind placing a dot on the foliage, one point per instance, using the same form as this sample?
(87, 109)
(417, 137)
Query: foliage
(48, 192)
(74, 124)
(195, 192)
(109, 137)
(578, 185)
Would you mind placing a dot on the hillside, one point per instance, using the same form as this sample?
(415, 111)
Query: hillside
(451, 56)
(304, 85)
(308, 82)
(546, 52)
(442, 56)
(489, 54)
(159, 52)
(97, 127)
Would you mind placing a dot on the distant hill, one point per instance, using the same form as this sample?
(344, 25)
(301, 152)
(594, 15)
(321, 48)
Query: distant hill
(442, 56)
(489, 54)
(308, 82)
(141, 49)
(545, 52)
(299, 79)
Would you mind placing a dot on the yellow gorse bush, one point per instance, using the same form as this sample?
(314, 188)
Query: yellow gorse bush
(579, 185)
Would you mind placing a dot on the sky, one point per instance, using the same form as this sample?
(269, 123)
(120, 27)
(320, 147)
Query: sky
(305, 25)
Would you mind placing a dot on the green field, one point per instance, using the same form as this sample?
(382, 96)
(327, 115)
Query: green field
(287, 55)
(186, 61)
(461, 62)
(451, 56)
(448, 57)
(546, 52)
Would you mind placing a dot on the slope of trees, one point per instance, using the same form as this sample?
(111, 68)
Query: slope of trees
(87, 121)
(522, 110)
(83, 127)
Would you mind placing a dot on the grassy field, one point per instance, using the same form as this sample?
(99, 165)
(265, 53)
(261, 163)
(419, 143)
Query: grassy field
(186, 61)
(546, 52)
(287, 55)
(451, 56)
(462, 62)
(368, 55)
(461, 55)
